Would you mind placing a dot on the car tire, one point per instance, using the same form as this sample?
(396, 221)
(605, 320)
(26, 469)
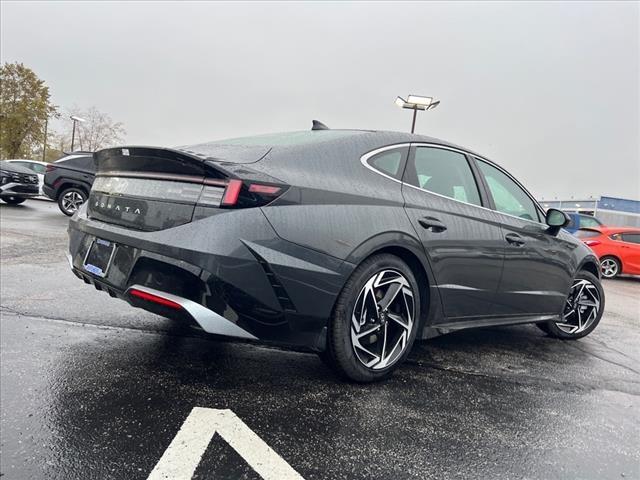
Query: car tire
(544, 327)
(610, 267)
(386, 285)
(13, 200)
(70, 200)
(583, 309)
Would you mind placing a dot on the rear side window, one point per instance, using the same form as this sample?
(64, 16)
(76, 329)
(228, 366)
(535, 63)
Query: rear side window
(507, 194)
(631, 237)
(388, 162)
(587, 233)
(443, 172)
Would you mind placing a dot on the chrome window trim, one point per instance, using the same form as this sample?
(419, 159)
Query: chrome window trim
(370, 154)
(365, 158)
(512, 178)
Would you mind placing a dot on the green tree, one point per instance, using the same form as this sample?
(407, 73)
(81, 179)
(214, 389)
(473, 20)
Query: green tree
(25, 107)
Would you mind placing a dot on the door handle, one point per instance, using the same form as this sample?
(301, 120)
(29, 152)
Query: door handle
(514, 239)
(433, 224)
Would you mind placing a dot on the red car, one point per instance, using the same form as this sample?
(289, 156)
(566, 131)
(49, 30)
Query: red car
(618, 248)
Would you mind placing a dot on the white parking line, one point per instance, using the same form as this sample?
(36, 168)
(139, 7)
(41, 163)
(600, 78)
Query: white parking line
(181, 458)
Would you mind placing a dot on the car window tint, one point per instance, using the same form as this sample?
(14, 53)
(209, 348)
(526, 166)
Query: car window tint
(587, 221)
(388, 162)
(586, 233)
(631, 237)
(443, 172)
(81, 163)
(36, 167)
(507, 194)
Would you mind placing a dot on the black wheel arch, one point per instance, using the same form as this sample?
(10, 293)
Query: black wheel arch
(590, 264)
(86, 188)
(409, 250)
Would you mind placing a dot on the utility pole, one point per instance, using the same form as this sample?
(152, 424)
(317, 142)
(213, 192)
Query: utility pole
(44, 145)
(73, 132)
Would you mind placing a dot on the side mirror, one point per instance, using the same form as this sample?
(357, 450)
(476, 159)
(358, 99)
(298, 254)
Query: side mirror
(557, 219)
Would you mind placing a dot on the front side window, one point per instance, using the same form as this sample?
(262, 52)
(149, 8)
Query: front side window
(507, 194)
(388, 162)
(443, 172)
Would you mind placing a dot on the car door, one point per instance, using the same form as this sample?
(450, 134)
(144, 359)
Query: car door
(630, 252)
(537, 271)
(462, 240)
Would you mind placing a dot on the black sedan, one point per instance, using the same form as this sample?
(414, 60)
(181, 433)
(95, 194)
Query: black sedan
(348, 243)
(17, 183)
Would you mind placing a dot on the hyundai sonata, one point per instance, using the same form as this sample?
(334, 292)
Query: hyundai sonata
(347, 243)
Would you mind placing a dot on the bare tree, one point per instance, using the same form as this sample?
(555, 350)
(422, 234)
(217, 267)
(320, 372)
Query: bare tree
(98, 131)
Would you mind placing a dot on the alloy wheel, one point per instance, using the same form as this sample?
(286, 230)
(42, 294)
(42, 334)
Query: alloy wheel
(71, 201)
(382, 319)
(581, 308)
(609, 267)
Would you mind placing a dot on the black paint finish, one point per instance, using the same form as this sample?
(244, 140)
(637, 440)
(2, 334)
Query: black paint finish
(276, 270)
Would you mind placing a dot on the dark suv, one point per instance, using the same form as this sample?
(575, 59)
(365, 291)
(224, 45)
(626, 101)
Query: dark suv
(68, 181)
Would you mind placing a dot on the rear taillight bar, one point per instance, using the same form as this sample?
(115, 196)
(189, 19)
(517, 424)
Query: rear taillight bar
(591, 243)
(244, 194)
(231, 193)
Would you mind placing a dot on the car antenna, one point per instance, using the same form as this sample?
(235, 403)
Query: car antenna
(318, 125)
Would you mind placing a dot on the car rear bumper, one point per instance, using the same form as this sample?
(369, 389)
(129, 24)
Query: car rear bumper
(49, 191)
(230, 273)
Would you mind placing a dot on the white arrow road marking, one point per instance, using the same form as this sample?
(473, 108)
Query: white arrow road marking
(181, 458)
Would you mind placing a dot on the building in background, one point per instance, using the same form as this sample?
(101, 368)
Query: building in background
(612, 211)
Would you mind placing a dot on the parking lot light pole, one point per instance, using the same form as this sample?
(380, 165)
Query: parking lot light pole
(73, 132)
(415, 103)
(44, 145)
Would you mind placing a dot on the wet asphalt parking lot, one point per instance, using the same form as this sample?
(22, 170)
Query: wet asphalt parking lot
(91, 388)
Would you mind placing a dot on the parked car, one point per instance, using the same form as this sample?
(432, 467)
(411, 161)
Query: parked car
(582, 220)
(68, 181)
(16, 183)
(618, 249)
(39, 168)
(348, 243)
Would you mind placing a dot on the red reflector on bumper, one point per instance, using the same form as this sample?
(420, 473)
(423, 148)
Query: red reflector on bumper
(155, 299)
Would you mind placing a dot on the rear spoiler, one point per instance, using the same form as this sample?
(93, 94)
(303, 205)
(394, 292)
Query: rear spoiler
(169, 163)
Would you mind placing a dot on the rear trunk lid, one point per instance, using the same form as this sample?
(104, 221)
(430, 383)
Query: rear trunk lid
(149, 188)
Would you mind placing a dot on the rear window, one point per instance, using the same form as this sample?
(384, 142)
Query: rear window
(589, 221)
(252, 149)
(81, 163)
(290, 138)
(587, 233)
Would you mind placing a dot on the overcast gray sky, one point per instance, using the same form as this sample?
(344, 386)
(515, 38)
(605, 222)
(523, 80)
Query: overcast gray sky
(548, 90)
